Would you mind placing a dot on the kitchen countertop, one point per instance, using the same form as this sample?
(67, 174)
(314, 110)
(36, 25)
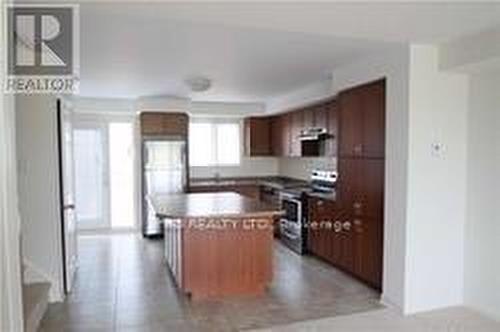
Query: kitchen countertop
(200, 205)
(276, 182)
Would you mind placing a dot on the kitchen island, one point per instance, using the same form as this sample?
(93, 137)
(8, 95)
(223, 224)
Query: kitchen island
(217, 244)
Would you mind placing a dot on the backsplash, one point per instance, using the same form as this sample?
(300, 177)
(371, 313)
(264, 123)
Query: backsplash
(300, 168)
(249, 167)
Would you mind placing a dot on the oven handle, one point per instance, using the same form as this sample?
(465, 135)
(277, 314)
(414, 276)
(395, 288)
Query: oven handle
(288, 234)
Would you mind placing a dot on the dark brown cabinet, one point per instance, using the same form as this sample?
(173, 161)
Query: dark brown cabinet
(362, 115)
(331, 111)
(330, 236)
(277, 139)
(279, 135)
(258, 140)
(296, 127)
(355, 241)
(308, 120)
(163, 124)
(320, 116)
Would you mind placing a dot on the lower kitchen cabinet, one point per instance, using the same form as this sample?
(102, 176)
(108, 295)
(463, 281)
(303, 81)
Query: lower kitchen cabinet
(368, 250)
(351, 243)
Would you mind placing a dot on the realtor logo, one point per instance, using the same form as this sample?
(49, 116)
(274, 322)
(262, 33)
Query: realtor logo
(41, 49)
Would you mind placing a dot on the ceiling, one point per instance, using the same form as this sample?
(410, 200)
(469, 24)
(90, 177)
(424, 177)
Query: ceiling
(252, 52)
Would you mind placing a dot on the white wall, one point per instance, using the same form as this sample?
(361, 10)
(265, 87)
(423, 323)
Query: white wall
(11, 311)
(472, 53)
(482, 239)
(436, 186)
(393, 65)
(36, 130)
(306, 95)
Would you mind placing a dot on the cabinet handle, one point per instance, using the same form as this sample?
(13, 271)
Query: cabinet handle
(319, 203)
(358, 149)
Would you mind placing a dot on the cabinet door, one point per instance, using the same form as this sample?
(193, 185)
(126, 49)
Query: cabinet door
(296, 127)
(286, 134)
(175, 124)
(350, 184)
(368, 239)
(371, 203)
(361, 186)
(320, 116)
(258, 137)
(313, 231)
(308, 118)
(362, 121)
(277, 136)
(351, 124)
(332, 121)
(158, 124)
(373, 104)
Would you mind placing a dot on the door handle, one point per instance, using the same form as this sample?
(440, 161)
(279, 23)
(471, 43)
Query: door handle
(69, 207)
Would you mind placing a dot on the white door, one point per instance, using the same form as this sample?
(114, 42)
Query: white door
(70, 245)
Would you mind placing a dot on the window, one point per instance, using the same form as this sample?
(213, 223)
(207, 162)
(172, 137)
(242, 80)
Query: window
(214, 143)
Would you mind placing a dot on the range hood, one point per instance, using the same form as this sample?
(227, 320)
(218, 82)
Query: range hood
(313, 134)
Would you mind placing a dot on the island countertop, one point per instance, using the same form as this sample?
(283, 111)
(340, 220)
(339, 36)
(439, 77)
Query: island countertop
(203, 205)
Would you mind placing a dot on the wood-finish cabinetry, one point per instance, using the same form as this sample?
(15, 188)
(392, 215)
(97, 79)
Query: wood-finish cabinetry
(286, 129)
(354, 242)
(362, 115)
(278, 139)
(258, 137)
(163, 124)
(332, 124)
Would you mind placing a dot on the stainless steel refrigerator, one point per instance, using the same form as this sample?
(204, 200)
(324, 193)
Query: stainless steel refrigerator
(164, 171)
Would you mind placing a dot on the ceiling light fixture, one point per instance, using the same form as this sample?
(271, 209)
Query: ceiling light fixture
(198, 84)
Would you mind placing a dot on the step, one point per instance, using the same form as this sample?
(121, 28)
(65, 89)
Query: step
(35, 301)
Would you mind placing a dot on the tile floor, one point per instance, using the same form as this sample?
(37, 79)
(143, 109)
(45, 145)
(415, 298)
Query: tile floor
(456, 319)
(122, 285)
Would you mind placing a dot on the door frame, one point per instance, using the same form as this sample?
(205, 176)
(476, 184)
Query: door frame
(60, 103)
(10, 223)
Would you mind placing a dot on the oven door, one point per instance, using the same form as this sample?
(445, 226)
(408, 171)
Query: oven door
(293, 210)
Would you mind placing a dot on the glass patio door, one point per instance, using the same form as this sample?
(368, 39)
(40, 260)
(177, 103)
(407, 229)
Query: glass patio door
(104, 174)
(91, 176)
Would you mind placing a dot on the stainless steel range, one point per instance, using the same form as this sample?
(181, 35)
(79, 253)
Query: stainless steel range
(293, 224)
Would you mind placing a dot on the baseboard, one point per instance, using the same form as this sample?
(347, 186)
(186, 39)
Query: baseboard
(34, 274)
(387, 302)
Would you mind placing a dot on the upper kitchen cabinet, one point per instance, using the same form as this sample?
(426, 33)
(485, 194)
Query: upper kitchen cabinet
(308, 117)
(164, 124)
(277, 136)
(362, 121)
(320, 116)
(258, 136)
(296, 126)
(332, 124)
